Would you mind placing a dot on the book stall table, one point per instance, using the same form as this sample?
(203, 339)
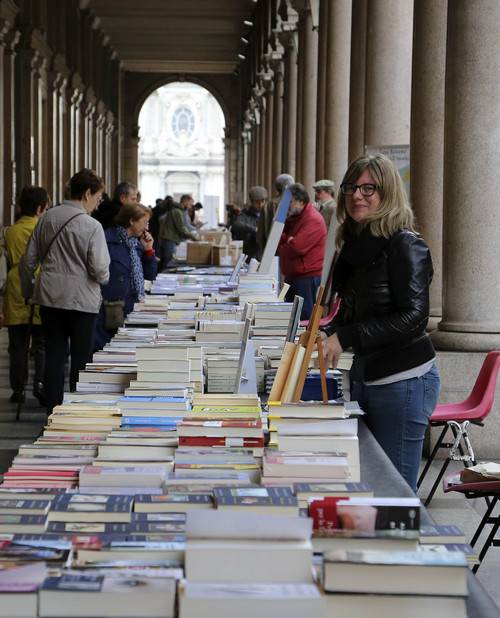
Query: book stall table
(378, 471)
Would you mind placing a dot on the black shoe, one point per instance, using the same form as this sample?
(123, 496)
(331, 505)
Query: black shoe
(39, 393)
(17, 397)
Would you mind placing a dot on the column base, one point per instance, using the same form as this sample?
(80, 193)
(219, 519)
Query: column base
(465, 342)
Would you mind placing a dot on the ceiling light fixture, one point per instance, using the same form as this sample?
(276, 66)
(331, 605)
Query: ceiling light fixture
(242, 38)
(248, 23)
(241, 57)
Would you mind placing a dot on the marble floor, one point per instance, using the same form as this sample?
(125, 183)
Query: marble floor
(444, 508)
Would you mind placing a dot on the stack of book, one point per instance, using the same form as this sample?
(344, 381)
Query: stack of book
(255, 288)
(100, 378)
(110, 593)
(163, 364)
(91, 417)
(217, 463)
(219, 330)
(271, 319)
(161, 412)
(248, 564)
(390, 584)
(240, 433)
(339, 436)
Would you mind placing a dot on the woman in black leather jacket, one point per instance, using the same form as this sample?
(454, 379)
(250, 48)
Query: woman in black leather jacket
(382, 275)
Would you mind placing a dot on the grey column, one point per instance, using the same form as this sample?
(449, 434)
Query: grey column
(290, 108)
(268, 179)
(388, 72)
(427, 133)
(277, 150)
(323, 87)
(471, 281)
(309, 103)
(338, 74)
(357, 79)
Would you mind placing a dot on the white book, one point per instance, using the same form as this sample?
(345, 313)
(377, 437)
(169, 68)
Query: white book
(249, 561)
(265, 600)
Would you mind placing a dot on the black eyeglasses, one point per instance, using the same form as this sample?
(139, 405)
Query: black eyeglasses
(366, 190)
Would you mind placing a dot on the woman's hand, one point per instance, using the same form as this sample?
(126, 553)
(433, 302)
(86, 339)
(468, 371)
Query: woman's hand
(332, 350)
(147, 241)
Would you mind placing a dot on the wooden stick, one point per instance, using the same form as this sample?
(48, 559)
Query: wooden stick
(322, 369)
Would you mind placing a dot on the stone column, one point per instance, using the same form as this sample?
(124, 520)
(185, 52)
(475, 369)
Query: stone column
(267, 180)
(308, 95)
(471, 284)
(388, 72)
(130, 153)
(338, 80)
(357, 79)
(323, 87)
(301, 58)
(427, 133)
(289, 160)
(277, 139)
(9, 136)
(261, 154)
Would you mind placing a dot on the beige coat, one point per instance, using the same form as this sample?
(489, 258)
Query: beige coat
(75, 266)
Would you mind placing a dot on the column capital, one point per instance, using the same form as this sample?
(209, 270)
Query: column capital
(8, 12)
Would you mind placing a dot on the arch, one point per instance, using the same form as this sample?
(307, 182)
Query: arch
(182, 146)
(165, 80)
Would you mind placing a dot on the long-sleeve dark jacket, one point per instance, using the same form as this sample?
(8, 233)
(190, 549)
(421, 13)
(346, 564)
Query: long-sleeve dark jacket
(384, 289)
(120, 282)
(245, 228)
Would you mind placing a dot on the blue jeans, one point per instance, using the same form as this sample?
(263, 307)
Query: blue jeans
(306, 287)
(397, 415)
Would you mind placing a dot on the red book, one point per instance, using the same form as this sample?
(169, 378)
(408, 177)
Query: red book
(221, 441)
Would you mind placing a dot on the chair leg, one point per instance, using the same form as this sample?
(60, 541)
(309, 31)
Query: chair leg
(437, 481)
(488, 543)
(428, 464)
(484, 521)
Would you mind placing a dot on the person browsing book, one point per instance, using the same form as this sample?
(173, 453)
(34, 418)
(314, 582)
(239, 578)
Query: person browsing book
(71, 249)
(133, 259)
(382, 276)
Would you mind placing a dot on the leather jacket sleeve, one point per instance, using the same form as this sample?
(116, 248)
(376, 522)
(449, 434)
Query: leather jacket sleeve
(410, 272)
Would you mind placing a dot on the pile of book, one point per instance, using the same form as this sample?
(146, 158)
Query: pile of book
(246, 564)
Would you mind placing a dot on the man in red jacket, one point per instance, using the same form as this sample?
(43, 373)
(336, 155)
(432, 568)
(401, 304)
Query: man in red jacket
(302, 248)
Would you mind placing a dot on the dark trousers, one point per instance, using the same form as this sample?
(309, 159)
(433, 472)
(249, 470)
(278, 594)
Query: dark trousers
(306, 287)
(19, 355)
(167, 250)
(59, 326)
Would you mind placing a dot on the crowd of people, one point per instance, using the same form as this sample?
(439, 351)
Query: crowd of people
(75, 270)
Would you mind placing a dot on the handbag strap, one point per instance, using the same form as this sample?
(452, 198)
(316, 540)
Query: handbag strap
(54, 238)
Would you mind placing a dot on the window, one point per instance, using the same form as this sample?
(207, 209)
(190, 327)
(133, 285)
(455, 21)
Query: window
(183, 122)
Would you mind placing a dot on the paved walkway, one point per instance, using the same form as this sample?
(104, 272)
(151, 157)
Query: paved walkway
(445, 509)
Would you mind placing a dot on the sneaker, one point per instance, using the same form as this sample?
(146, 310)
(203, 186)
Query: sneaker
(39, 393)
(17, 397)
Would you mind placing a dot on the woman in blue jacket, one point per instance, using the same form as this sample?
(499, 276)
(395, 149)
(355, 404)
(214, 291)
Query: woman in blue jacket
(133, 259)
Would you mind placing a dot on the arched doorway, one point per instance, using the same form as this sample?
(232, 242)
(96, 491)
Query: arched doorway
(181, 147)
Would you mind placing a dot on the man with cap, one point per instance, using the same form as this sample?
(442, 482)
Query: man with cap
(324, 192)
(245, 226)
(281, 183)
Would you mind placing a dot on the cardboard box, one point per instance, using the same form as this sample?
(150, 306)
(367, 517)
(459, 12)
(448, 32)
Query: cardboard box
(199, 252)
(217, 237)
(218, 252)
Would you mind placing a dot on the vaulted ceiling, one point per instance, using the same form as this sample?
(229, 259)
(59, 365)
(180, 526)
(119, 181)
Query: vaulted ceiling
(201, 36)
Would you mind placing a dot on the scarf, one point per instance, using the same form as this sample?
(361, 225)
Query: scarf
(136, 272)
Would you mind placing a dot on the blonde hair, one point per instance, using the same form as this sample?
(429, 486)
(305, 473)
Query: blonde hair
(394, 211)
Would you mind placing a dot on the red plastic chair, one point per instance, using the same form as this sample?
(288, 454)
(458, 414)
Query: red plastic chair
(458, 416)
(328, 318)
(490, 490)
